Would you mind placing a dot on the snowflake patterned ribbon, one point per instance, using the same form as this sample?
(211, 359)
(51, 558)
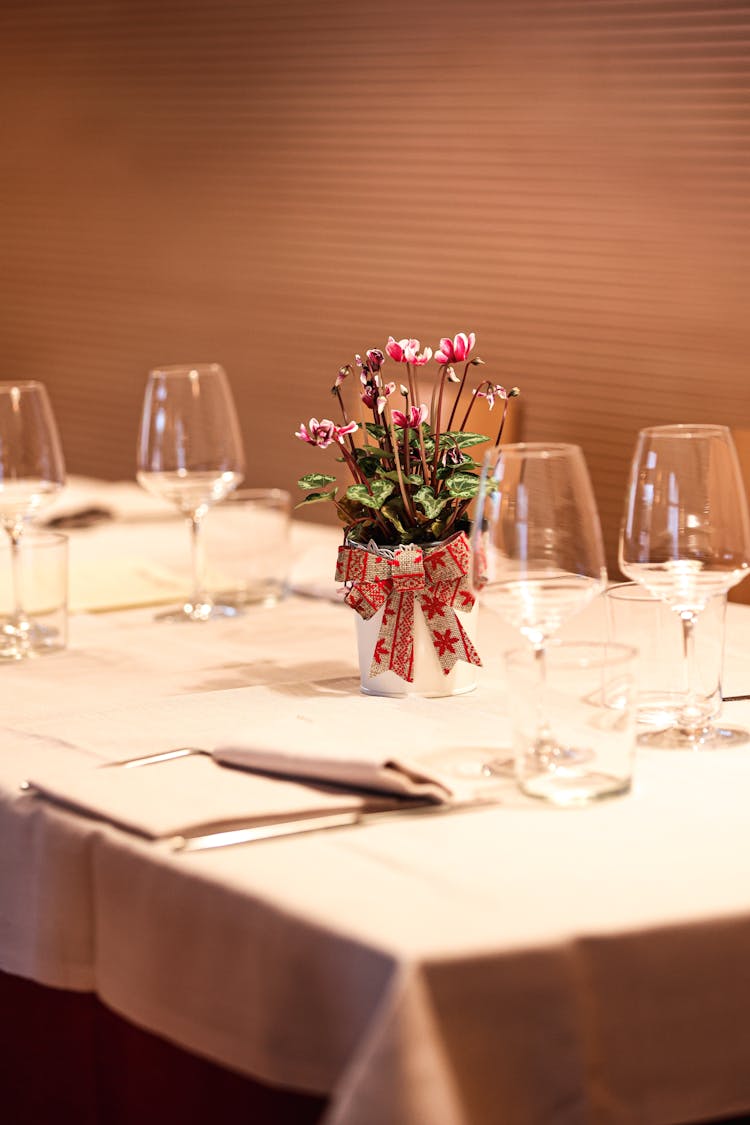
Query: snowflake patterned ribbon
(436, 579)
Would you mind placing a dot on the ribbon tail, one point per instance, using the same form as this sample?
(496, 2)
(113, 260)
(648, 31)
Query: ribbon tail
(451, 642)
(394, 651)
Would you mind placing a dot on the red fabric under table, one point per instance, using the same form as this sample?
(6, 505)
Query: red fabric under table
(66, 1059)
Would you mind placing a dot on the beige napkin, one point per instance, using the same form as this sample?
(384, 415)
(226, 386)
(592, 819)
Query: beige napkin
(121, 583)
(373, 768)
(268, 783)
(171, 798)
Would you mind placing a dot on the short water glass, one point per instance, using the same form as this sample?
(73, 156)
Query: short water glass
(589, 703)
(636, 617)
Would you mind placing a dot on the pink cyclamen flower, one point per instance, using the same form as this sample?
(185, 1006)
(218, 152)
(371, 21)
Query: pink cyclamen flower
(375, 393)
(455, 350)
(413, 420)
(343, 431)
(383, 395)
(407, 351)
(344, 372)
(370, 393)
(325, 432)
(317, 433)
(493, 391)
(375, 359)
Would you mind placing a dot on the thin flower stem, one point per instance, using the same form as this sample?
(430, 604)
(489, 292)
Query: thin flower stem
(401, 483)
(337, 392)
(380, 421)
(354, 469)
(458, 396)
(458, 511)
(502, 422)
(436, 427)
(433, 396)
(422, 453)
(360, 478)
(350, 437)
(474, 398)
(411, 379)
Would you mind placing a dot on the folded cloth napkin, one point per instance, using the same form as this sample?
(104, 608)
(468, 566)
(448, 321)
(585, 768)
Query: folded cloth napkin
(178, 795)
(373, 769)
(184, 795)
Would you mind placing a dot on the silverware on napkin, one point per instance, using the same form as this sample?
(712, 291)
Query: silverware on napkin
(154, 759)
(298, 826)
(207, 836)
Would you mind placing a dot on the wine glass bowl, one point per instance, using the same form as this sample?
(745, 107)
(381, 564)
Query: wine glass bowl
(538, 556)
(686, 538)
(32, 472)
(190, 454)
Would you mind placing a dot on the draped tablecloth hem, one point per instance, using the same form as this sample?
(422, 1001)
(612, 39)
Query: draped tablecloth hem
(248, 1060)
(52, 974)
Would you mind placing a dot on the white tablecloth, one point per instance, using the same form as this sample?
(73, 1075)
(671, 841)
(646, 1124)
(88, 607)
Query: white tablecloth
(516, 964)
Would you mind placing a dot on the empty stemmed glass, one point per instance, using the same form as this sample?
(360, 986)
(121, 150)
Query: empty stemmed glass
(686, 538)
(190, 453)
(32, 472)
(537, 558)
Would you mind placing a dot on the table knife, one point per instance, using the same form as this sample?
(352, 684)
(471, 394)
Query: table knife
(301, 825)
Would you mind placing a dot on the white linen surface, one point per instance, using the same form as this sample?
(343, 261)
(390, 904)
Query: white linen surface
(159, 799)
(188, 794)
(505, 926)
(516, 963)
(141, 556)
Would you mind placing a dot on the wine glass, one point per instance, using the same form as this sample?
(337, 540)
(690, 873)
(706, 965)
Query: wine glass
(537, 559)
(190, 453)
(32, 472)
(686, 538)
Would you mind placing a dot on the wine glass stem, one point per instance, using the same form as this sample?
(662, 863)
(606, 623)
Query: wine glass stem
(542, 724)
(692, 686)
(19, 614)
(199, 596)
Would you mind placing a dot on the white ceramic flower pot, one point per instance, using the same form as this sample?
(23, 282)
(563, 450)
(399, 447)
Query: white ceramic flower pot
(429, 677)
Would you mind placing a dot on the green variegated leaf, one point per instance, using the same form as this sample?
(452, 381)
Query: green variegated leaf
(317, 497)
(374, 430)
(463, 485)
(380, 491)
(370, 466)
(393, 510)
(370, 451)
(410, 478)
(461, 440)
(430, 504)
(315, 480)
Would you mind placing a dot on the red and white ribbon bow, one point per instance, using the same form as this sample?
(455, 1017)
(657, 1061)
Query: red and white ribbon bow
(438, 580)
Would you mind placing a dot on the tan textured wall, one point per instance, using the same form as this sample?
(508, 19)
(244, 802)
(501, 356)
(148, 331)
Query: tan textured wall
(276, 185)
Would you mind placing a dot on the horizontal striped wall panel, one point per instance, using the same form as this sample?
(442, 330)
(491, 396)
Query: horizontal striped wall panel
(277, 185)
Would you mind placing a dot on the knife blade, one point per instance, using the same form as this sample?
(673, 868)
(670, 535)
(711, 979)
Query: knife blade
(154, 759)
(301, 825)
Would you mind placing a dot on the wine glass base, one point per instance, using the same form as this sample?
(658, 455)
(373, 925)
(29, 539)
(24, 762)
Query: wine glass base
(496, 767)
(201, 611)
(703, 738)
(28, 638)
(572, 789)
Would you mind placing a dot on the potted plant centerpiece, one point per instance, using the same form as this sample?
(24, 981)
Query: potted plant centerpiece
(405, 510)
